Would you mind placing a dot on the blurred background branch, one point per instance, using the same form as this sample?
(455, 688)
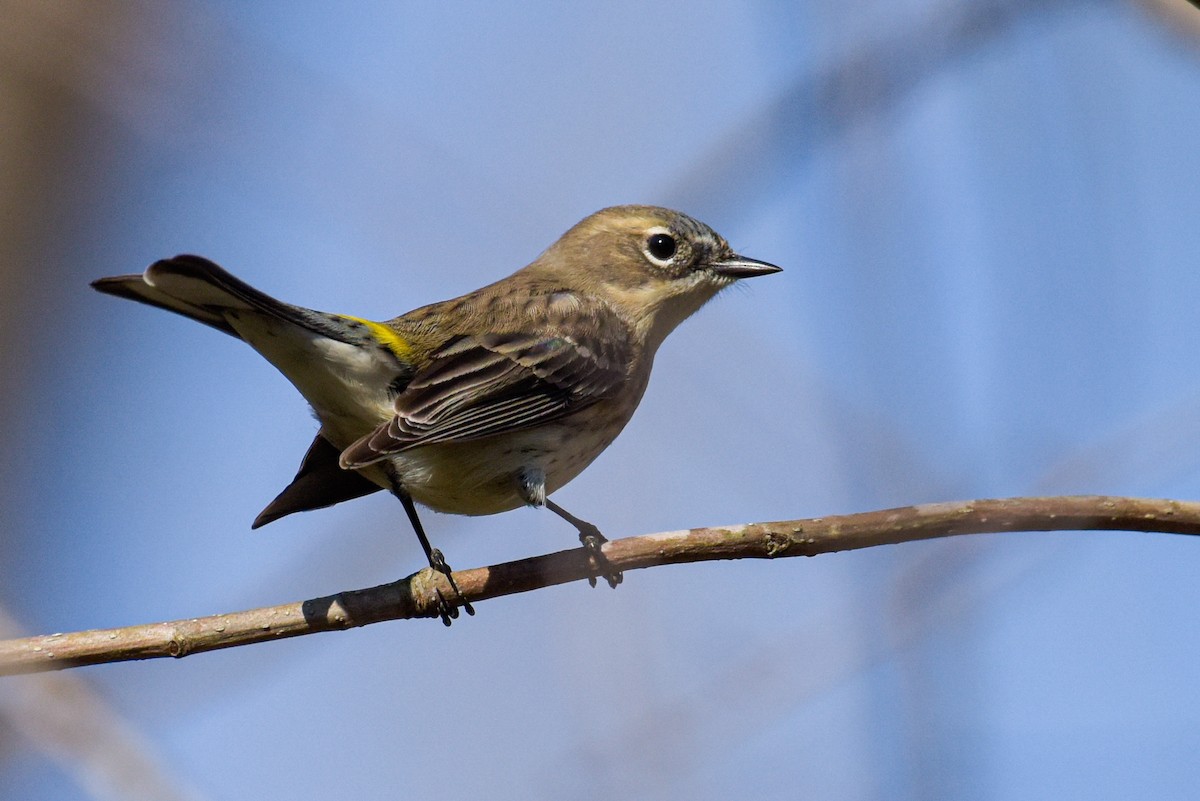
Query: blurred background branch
(66, 717)
(1179, 16)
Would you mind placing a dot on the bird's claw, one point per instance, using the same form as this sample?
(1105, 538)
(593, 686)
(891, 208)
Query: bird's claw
(446, 610)
(593, 542)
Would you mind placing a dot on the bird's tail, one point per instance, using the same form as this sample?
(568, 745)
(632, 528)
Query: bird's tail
(338, 362)
(335, 361)
(197, 288)
(194, 304)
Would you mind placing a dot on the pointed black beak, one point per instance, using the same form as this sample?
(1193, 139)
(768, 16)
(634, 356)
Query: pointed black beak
(741, 267)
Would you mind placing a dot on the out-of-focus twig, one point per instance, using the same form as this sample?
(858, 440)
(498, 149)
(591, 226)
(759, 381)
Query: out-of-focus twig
(1181, 16)
(765, 149)
(67, 719)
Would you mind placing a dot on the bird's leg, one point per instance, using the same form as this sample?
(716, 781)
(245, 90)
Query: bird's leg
(531, 484)
(592, 540)
(446, 610)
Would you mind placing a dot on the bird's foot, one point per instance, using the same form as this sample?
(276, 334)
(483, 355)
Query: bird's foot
(447, 610)
(593, 541)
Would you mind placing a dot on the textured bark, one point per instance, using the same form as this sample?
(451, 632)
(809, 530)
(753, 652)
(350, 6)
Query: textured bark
(416, 596)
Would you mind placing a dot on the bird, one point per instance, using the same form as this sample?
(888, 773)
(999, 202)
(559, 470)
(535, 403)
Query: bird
(482, 403)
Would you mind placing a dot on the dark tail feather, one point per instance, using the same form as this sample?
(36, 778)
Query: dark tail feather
(197, 288)
(319, 483)
(134, 287)
(198, 281)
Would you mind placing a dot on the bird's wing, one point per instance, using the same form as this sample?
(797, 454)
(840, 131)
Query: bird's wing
(479, 386)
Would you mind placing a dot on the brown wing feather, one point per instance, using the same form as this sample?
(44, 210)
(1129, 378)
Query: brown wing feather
(480, 386)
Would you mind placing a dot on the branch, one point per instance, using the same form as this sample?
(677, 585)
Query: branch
(416, 596)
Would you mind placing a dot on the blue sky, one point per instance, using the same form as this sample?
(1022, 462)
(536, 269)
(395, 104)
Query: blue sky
(987, 225)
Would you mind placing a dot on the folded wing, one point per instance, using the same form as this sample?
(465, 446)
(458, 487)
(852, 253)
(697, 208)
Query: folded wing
(481, 386)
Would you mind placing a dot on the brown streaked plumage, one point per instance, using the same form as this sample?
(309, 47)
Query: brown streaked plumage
(481, 403)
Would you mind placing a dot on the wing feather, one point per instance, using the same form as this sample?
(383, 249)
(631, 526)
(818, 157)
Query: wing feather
(484, 385)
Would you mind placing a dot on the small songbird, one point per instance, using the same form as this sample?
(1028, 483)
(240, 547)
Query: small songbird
(483, 403)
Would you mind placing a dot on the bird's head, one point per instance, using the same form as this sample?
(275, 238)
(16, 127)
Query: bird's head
(655, 266)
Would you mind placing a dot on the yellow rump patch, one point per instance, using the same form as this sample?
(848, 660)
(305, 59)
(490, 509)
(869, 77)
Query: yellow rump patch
(389, 338)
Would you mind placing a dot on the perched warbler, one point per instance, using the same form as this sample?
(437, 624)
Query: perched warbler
(482, 403)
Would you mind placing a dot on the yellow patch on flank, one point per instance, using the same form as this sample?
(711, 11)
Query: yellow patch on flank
(393, 341)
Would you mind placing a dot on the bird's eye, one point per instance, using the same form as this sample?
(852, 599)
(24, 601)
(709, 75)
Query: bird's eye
(661, 247)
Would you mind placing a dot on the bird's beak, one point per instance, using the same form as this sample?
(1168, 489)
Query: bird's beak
(741, 267)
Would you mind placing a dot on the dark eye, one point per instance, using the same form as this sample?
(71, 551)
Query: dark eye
(661, 246)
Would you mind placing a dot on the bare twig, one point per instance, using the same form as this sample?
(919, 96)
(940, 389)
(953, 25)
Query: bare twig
(416, 596)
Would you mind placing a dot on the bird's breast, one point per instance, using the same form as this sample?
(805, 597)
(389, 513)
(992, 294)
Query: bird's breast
(482, 477)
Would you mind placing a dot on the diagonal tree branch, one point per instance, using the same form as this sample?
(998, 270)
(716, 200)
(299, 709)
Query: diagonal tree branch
(416, 596)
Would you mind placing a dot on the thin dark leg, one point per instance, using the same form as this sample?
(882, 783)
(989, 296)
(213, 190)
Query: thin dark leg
(437, 561)
(592, 539)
